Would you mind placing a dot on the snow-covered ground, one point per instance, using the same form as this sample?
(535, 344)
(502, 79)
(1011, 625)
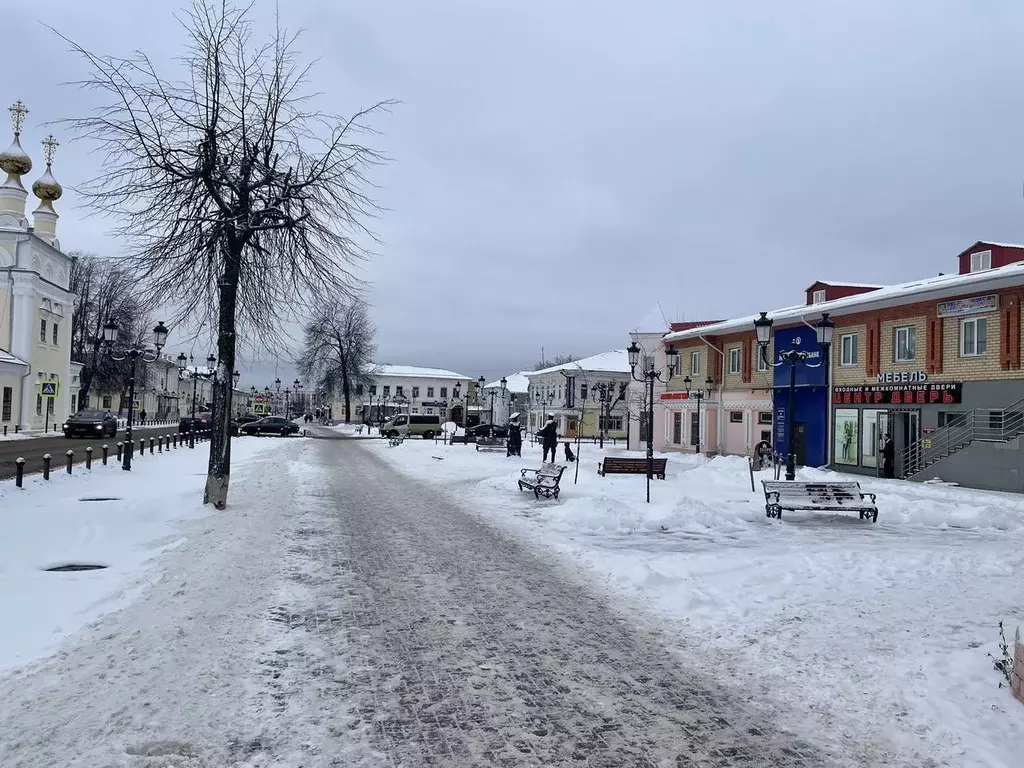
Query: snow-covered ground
(54, 523)
(846, 625)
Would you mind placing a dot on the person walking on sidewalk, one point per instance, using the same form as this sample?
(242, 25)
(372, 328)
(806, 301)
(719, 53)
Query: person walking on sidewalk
(549, 438)
(142, 416)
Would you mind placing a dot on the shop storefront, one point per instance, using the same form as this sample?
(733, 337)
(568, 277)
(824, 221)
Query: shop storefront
(810, 417)
(864, 416)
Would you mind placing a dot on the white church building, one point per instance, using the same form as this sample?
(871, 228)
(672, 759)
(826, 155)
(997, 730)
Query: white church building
(35, 303)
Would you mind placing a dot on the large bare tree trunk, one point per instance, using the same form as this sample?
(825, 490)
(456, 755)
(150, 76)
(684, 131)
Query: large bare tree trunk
(218, 474)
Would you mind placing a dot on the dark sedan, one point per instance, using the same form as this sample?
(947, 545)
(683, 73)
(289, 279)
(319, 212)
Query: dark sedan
(91, 424)
(484, 430)
(271, 425)
(201, 423)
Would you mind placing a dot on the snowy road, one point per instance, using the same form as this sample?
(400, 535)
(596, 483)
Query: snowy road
(341, 614)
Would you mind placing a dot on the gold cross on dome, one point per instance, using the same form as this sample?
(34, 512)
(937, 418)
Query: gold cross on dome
(50, 145)
(18, 112)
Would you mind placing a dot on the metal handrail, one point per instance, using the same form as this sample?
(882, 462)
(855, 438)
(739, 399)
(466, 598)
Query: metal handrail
(985, 424)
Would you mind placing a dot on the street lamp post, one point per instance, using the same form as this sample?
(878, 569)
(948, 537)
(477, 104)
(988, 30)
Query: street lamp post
(699, 396)
(763, 328)
(602, 393)
(287, 403)
(298, 394)
(133, 353)
(186, 366)
(650, 376)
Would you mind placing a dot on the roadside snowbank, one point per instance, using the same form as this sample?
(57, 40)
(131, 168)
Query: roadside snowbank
(67, 520)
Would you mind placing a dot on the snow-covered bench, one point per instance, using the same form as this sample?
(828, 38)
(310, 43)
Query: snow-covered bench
(618, 465)
(824, 497)
(491, 444)
(543, 481)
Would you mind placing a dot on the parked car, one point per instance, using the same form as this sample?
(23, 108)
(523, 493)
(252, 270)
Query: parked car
(484, 430)
(91, 424)
(247, 418)
(405, 425)
(270, 425)
(201, 423)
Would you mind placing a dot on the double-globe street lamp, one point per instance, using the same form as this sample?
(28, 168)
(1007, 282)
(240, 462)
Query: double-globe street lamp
(650, 376)
(603, 393)
(763, 328)
(133, 353)
(187, 367)
(482, 382)
(698, 395)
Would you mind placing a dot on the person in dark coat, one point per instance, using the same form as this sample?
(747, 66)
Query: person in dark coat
(888, 457)
(549, 438)
(514, 443)
(142, 416)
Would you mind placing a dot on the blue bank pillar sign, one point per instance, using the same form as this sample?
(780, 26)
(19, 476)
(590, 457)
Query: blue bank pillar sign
(811, 401)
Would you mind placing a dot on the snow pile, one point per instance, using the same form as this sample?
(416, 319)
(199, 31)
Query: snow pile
(849, 626)
(65, 521)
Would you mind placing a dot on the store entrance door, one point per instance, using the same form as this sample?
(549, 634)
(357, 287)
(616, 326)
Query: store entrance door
(906, 431)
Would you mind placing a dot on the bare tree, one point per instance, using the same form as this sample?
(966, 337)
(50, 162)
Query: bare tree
(103, 291)
(338, 349)
(235, 194)
(558, 360)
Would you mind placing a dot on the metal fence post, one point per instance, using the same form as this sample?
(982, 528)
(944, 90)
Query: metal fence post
(19, 476)
(88, 457)
(46, 466)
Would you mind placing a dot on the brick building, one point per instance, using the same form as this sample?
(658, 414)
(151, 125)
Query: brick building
(936, 363)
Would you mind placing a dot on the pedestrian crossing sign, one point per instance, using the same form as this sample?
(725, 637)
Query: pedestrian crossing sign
(259, 409)
(48, 388)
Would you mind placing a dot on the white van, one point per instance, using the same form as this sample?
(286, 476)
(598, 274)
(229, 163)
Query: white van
(405, 425)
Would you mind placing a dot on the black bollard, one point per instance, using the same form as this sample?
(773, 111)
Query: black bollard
(151, 446)
(71, 458)
(120, 447)
(142, 447)
(46, 466)
(19, 474)
(88, 457)
(175, 438)
(105, 449)
(160, 444)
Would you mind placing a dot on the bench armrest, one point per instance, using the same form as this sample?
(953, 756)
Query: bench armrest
(769, 494)
(866, 495)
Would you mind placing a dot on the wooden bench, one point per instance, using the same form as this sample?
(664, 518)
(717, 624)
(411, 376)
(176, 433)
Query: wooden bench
(491, 444)
(543, 481)
(462, 439)
(826, 497)
(625, 466)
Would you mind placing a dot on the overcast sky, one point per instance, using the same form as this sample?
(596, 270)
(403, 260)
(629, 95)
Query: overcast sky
(559, 167)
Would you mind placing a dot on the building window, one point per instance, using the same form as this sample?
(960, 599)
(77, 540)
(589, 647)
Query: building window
(764, 417)
(42, 330)
(415, 410)
(848, 349)
(694, 363)
(906, 344)
(55, 333)
(818, 296)
(398, 391)
(387, 390)
(373, 389)
(762, 358)
(973, 336)
(734, 360)
(677, 428)
(39, 405)
(74, 402)
(981, 261)
(611, 423)
(430, 391)
(735, 417)
(444, 393)
(415, 392)
(359, 390)
(107, 402)
(5, 414)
